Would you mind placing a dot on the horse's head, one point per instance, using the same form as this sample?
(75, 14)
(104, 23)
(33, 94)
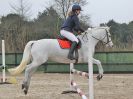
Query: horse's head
(102, 34)
(107, 37)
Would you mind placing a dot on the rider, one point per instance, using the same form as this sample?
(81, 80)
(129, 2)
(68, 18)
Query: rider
(70, 25)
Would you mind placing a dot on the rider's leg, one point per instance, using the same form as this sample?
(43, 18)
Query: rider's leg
(71, 51)
(74, 40)
(70, 36)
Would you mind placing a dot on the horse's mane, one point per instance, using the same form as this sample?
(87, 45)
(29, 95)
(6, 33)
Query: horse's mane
(90, 29)
(101, 27)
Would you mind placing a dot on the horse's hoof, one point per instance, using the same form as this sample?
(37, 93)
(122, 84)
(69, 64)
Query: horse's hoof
(25, 92)
(22, 86)
(99, 77)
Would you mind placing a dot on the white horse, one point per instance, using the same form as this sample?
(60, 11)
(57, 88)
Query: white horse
(38, 52)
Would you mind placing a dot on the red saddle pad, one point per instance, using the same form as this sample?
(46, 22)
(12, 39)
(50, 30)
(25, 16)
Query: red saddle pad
(65, 44)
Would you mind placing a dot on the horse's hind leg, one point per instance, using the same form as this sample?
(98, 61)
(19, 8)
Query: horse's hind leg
(31, 68)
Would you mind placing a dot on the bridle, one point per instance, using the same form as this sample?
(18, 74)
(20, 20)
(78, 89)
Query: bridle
(85, 35)
(106, 35)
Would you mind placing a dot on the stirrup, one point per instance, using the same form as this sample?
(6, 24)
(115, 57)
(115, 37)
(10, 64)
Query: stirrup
(71, 57)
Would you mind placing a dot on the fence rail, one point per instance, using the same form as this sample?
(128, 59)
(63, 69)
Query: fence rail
(111, 61)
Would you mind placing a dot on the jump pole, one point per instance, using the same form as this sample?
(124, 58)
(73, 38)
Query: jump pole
(80, 73)
(90, 74)
(11, 80)
(71, 89)
(73, 85)
(79, 91)
(3, 62)
(71, 75)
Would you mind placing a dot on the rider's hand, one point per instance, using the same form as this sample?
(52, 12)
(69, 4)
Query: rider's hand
(79, 32)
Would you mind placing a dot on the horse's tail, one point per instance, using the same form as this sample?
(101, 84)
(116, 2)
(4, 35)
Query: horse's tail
(26, 58)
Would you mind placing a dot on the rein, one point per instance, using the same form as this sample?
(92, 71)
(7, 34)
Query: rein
(85, 35)
(103, 38)
(106, 35)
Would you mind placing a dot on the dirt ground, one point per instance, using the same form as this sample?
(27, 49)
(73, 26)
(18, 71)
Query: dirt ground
(50, 86)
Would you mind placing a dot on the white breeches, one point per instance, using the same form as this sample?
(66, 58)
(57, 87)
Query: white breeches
(70, 36)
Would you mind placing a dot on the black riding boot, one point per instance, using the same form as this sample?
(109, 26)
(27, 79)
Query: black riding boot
(71, 51)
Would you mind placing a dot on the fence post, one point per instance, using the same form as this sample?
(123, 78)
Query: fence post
(15, 59)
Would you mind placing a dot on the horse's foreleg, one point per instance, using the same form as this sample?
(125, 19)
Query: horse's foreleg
(100, 68)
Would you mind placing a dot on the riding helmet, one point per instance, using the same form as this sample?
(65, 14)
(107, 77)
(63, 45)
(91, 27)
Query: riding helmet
(76, 7)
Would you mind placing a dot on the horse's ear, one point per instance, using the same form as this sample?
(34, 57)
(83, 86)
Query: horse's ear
(109, 27)
(89, 28)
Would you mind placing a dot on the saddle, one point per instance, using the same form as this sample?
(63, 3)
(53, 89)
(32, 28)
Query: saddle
(66, 44)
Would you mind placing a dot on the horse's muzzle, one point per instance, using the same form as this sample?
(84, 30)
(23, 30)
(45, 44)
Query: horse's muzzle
(110, 44)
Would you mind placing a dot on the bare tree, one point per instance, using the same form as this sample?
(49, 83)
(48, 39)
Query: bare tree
(22, 9)
(62, 6)
(19, 29)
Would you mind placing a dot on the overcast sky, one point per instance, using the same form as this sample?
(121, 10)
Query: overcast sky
(100, 11)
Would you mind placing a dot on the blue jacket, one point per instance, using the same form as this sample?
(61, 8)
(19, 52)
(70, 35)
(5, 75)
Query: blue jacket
(72, 24)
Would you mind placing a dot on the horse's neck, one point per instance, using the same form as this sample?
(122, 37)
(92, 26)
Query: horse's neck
(89, 44)
(88, 41)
